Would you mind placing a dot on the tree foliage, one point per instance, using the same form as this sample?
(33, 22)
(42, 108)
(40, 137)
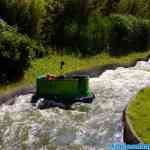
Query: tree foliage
(79, 24)
(16, 50)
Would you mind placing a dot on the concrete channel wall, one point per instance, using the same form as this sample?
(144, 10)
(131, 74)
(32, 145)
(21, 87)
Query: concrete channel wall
(9, 98)
(129, 134)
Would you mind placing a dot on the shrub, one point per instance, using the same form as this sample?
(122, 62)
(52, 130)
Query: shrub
(129, 34)
(78, 26)
(16, 49)
(13, 43)
(28, 15)
(117, 34)
(89, 38)
(121, 27)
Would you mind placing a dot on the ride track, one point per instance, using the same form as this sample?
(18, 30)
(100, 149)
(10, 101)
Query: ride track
(95, 127)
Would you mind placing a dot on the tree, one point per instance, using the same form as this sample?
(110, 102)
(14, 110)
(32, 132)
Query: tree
(109, 6)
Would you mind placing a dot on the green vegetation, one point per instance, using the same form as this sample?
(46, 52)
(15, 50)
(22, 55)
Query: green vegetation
(138, 114)
(134, 7)
(102, 29)
(85, 26)
(117, 34)
(51, 64)
(16, 50)
(14, 44)
(26, 14)
(36, 35)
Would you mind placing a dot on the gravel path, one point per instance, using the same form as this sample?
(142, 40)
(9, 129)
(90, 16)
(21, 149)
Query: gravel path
(88, 127)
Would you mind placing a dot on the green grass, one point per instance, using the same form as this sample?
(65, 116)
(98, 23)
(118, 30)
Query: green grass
(51, 64)
(139, 114)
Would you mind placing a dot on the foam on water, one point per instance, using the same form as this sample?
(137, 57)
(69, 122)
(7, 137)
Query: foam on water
(89, 127)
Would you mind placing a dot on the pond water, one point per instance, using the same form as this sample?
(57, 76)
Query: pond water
(88, 127)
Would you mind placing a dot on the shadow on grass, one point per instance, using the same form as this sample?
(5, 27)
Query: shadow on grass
(10, 71)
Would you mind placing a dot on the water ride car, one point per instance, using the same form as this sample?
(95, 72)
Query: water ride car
(50, 89)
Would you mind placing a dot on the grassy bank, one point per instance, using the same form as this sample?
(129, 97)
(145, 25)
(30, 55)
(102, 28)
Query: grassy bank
(139, 114)
(51, 64)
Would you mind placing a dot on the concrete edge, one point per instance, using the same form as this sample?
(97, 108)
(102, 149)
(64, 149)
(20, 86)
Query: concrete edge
(98, 70)
(9, 98)
(129, 134)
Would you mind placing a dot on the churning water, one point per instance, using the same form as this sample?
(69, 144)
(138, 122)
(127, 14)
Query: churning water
(88, 127)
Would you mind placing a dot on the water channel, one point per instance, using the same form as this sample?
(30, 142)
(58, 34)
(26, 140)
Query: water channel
(87, 127)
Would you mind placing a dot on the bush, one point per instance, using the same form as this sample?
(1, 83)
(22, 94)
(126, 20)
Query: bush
(14, 44)
(134, 7)
(129, 34)
(16, 49)
(118, 34)
(27, 15)
(89, 38)
(78, 26)
(141, 36)
(121, 27)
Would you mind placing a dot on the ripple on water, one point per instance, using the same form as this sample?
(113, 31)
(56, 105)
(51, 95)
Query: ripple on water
(89, 127)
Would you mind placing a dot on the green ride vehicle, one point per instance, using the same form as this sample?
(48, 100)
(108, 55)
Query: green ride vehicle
(67, 90)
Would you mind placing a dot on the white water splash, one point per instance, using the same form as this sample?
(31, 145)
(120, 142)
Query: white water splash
(90, 127)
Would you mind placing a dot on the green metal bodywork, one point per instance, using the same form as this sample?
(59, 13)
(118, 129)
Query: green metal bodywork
(66, 88)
